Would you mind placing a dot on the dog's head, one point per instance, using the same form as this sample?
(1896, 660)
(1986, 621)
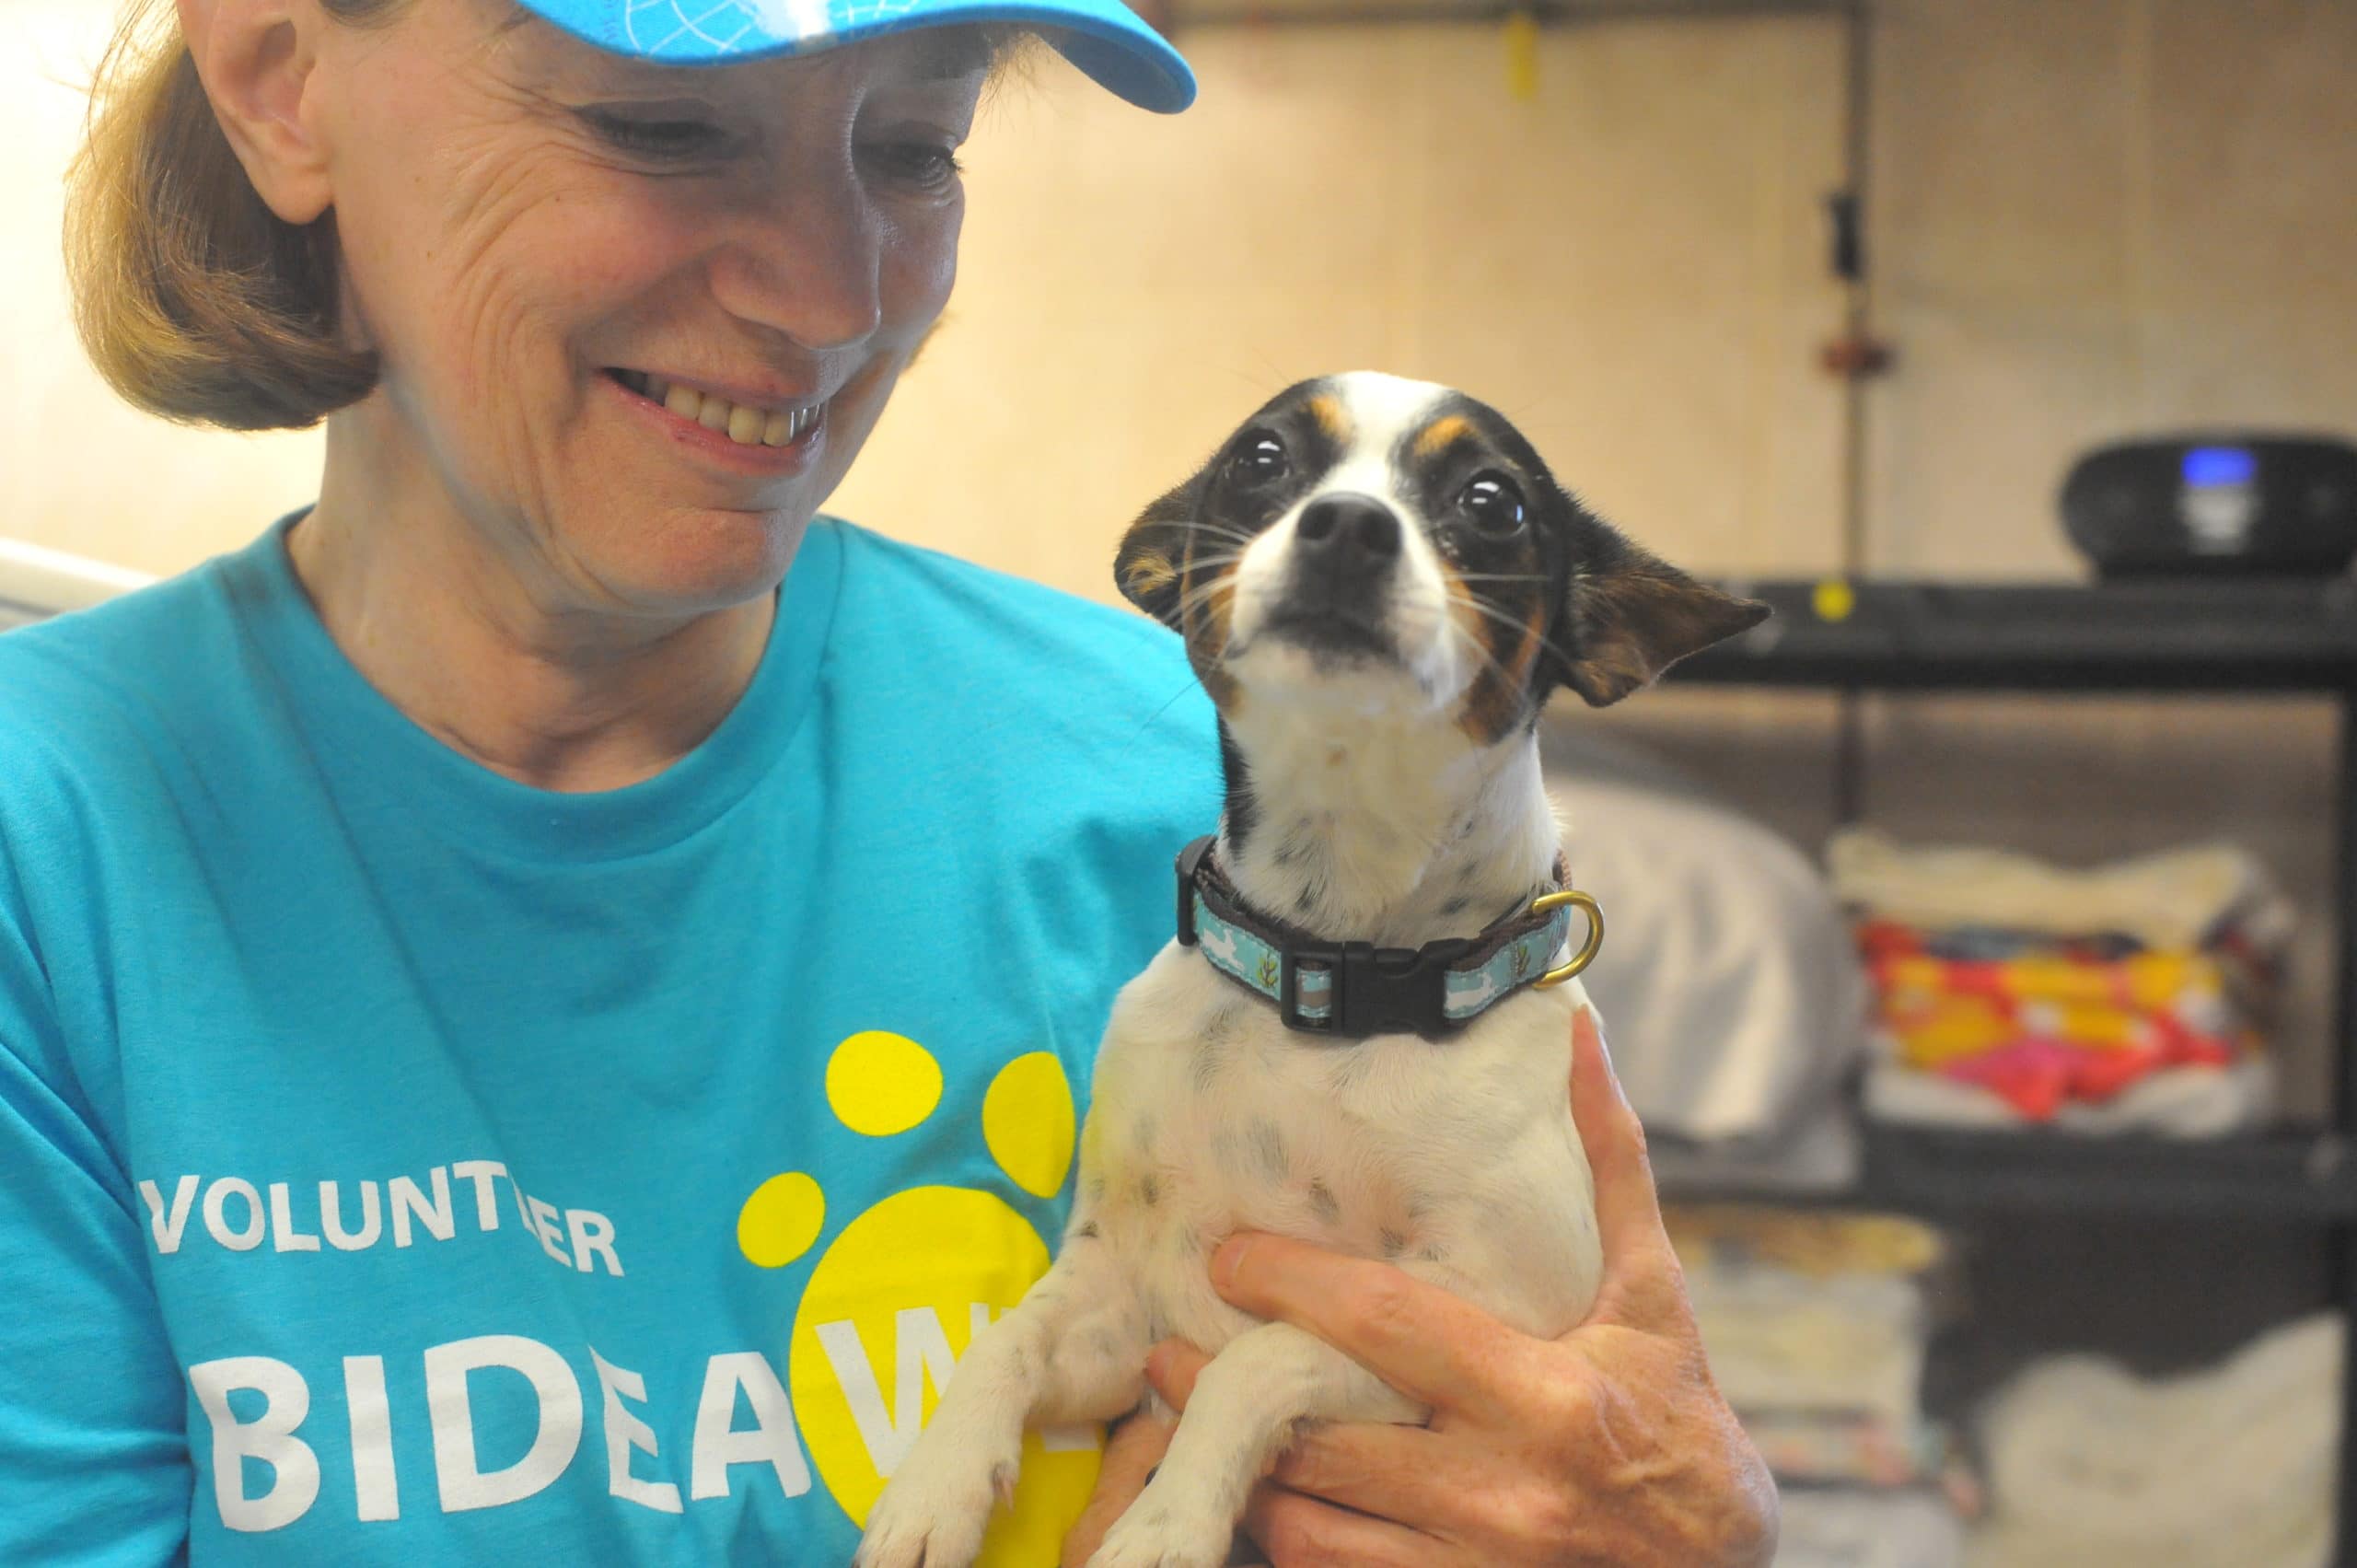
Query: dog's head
(1395, 543)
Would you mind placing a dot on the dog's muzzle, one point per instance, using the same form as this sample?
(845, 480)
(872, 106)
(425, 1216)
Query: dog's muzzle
(1345, 554)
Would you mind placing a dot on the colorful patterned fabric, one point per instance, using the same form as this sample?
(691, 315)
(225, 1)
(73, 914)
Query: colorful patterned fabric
(2044, 1021)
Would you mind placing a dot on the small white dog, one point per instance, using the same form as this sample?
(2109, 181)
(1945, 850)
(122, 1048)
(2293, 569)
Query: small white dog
(1379, 583)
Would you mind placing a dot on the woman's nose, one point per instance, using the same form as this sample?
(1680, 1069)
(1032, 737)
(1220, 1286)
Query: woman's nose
(809, 264)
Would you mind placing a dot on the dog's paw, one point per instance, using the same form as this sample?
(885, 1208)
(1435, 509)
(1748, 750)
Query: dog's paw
(934, 1516)
(1151, 1536)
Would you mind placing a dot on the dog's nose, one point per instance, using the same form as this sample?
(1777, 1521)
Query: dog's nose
(1348, 533)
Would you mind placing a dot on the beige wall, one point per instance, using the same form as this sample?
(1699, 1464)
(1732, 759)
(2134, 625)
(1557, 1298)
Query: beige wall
(2092, 216)
(1628, 265)
(2098, 218)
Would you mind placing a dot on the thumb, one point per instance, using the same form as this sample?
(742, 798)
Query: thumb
(1642, 1279)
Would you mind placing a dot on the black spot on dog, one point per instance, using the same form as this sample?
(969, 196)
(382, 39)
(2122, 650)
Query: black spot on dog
(1267, 1145)
(1149, 1190)
(1305, 900)
(1457, 905)
(1086, 1232)
(1432, 1252)
(1321, 1198)
(1393, 1243)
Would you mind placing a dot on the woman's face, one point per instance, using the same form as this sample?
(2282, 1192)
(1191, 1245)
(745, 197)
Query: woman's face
(537, 237)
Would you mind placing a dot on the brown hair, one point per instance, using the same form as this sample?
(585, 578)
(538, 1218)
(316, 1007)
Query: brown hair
(195, 301)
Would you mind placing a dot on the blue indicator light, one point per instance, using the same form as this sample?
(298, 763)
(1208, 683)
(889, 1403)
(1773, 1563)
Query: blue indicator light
(2206, 466)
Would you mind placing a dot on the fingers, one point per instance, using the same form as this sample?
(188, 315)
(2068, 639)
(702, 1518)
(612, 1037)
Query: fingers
(1638, 1261)
(1131, 1454)
(1172, 1369)
(1437, 1348)
(1301, 1532)
(1393, 1473)
(1375, 1468)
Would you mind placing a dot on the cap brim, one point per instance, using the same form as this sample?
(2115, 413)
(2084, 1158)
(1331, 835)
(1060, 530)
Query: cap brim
(1105, 38)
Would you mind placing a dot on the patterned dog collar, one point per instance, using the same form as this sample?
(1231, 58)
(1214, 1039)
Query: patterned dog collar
(1351, 990)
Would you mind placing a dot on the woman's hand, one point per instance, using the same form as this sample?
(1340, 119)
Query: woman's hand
(1135, 1446)
(1610, 1445)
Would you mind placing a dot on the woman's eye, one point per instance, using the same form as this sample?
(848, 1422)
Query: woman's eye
(1493, 504)
(921, 166)
(1258, 460)
(648, 136)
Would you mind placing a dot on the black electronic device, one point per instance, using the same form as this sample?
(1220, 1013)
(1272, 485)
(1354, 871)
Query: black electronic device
(2215, 504)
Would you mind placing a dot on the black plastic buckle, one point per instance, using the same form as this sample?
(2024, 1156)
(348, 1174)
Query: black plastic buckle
(1191, 860)
(1374, 991)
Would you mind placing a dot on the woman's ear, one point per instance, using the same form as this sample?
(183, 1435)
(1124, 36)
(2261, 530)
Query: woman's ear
(1628, 615)
(256, 59)
(1151, 566)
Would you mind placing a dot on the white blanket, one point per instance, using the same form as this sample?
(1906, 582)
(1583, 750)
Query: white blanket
(2230, 1468)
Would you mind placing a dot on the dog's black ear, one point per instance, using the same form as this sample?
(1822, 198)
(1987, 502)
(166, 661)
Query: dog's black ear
(1151, 563)
(1628, 615)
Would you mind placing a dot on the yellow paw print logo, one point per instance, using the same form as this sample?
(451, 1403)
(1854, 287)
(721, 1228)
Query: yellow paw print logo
(897, 1296)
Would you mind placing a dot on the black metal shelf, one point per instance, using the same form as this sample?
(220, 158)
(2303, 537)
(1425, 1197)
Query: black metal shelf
(2291, 1178)
(2166, 634)
(2213, 635)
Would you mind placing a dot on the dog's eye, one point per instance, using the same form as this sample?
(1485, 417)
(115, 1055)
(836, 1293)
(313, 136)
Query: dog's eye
(1493, 504)
(1258, 460)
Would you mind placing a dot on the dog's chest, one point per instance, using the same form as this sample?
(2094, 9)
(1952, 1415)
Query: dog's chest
(1457, 1159)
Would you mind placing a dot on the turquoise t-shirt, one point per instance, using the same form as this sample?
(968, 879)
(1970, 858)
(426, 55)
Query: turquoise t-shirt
(400, 1165)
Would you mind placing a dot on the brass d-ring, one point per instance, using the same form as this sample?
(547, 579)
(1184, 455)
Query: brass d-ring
(1586, 955)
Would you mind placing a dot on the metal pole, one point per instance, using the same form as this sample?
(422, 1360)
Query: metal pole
(1850, 264)
(2342, 1244)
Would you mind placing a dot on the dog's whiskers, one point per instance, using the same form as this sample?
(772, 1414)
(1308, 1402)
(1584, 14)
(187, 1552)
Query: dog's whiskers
(1546, 642)
(1202, 593)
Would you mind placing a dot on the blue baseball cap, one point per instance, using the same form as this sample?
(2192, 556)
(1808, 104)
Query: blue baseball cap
(1104, 37)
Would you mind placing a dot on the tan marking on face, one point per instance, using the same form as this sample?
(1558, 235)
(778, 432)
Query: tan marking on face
(1437, 436)
(1461, 609)
(1495, 701)
(1208, 607)
(1151, 571)
(1327, 410)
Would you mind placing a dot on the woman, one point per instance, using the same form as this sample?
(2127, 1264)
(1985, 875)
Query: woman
(463, 955)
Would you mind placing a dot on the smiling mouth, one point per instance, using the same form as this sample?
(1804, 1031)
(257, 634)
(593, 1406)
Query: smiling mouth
(745, 423)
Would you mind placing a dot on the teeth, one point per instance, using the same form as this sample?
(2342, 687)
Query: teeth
(741, 423)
